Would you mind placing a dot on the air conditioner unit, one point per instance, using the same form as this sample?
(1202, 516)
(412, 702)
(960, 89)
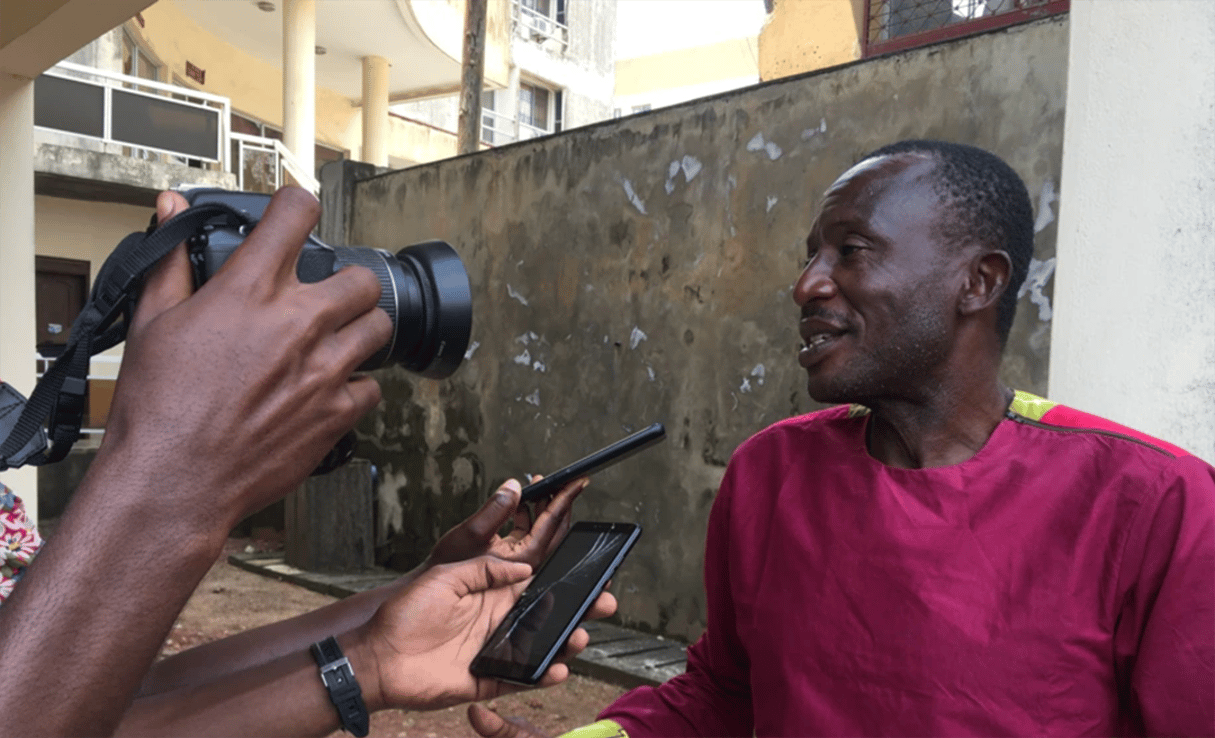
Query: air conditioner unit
(541, 28)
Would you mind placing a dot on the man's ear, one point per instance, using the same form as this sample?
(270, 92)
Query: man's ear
(986, 279)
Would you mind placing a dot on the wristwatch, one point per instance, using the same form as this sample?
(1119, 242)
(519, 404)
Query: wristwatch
(338, 677)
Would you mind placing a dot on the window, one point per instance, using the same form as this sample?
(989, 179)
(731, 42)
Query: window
(136, 62)
(540, 110)
(542, 21)
(895, 25)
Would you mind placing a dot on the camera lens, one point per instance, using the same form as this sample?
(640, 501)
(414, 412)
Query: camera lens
(425, 290)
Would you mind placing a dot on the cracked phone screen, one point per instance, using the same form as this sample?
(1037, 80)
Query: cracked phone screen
(533, 626)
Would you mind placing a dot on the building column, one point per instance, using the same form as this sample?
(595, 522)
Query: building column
(19, 334)
(1133, 337)
(299, 81)
(375, 110)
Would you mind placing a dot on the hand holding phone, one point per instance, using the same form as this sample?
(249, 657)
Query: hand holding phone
(524, 645)
(597, 461)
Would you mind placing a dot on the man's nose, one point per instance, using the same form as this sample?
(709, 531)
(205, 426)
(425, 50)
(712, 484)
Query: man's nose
(815, 283)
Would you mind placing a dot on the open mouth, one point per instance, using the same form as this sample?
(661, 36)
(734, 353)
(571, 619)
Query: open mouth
(816, 345)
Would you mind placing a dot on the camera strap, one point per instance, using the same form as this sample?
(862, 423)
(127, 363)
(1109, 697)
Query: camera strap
(59, 399)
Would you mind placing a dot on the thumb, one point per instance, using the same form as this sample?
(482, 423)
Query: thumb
(489, 572)
(485, 522)
(170, 281)
(490, 724)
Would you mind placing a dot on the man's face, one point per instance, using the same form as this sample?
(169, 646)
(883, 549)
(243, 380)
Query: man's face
(878, 293)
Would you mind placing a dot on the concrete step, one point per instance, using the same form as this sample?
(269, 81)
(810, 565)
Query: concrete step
(617, 655)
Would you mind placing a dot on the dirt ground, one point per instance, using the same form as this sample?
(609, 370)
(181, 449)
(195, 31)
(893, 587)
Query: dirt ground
(230, 600)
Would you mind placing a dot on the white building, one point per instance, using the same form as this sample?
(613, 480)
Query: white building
(561, 75)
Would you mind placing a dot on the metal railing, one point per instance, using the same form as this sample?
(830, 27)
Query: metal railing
(896, 25)
(531, 23)
(262, 165)
(498, 129)
(180, 122)
(101, 367)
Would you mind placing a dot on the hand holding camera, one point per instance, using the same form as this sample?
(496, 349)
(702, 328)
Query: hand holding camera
(244, 385)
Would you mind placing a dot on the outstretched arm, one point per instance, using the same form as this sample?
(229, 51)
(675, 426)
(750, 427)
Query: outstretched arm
(529, 542)
(414, 653)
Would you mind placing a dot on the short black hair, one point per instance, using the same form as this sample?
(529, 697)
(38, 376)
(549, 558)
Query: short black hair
(986, 201)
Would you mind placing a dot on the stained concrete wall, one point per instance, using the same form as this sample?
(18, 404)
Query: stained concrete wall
(640, 270)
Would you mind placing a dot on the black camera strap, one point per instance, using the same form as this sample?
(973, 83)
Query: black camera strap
(59, 398)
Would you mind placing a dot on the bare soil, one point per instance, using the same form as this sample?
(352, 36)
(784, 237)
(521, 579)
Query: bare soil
(230, 600)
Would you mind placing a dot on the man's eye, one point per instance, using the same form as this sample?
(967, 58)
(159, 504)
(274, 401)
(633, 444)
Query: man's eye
(849, 249)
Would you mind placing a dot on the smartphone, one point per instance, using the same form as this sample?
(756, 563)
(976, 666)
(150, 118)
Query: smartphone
(601, 459)
(522, 648)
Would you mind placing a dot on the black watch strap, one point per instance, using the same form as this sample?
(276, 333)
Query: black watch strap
(338, 677)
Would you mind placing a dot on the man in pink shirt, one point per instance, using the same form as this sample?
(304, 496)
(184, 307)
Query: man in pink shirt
(938, 554)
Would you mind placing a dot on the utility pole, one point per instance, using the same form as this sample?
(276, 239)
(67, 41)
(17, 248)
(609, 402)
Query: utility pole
(472, 78)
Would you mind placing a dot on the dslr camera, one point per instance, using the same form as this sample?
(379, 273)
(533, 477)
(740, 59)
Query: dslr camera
(423, 288)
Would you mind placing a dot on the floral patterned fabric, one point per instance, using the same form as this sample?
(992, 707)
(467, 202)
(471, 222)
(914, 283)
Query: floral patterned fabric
(19, 541)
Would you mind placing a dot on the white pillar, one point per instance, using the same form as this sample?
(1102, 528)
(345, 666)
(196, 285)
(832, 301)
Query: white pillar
(18, 333)
(375, 110)
(299, 81)
(1133, 338)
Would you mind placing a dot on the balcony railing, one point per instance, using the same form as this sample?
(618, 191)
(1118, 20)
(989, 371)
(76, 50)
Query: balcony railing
(178, 122)
(498, 129)
(541, 28)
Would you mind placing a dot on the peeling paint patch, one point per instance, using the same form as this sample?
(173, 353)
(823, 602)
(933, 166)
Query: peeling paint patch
(773, 150)
(810, 133)
(539, 366)
(691, 167)
(527, 338)
(756, 143)
(1039, 274)
(472, 350)
(650, 371)
(632, 195)
(391, 512)
(636, 337)
(772, 200)
(524, 358)
(758, 372)
(533, 398)
(1045, 198)
(511, 291)
(745, 386)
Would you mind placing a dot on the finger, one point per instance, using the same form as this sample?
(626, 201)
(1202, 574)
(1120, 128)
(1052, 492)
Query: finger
(555, 674)
(556, 516)
(270, 252)
(358, 341)
(488, 520)
(604, 606)
(364, 392)
(489, 572)
(576, 644)
(522, 520)
(170, 281)
(345, 296)
(490, 724)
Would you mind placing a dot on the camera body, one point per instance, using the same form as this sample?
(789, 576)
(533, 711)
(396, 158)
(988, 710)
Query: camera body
(424, 287)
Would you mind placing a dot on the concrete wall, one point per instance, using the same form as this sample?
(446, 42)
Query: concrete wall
(1135, 337)
(641, 270)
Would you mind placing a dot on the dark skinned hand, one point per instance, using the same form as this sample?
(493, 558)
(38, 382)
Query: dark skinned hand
(490, 724)
(531, 540)
(439, 623)
(252, 432)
